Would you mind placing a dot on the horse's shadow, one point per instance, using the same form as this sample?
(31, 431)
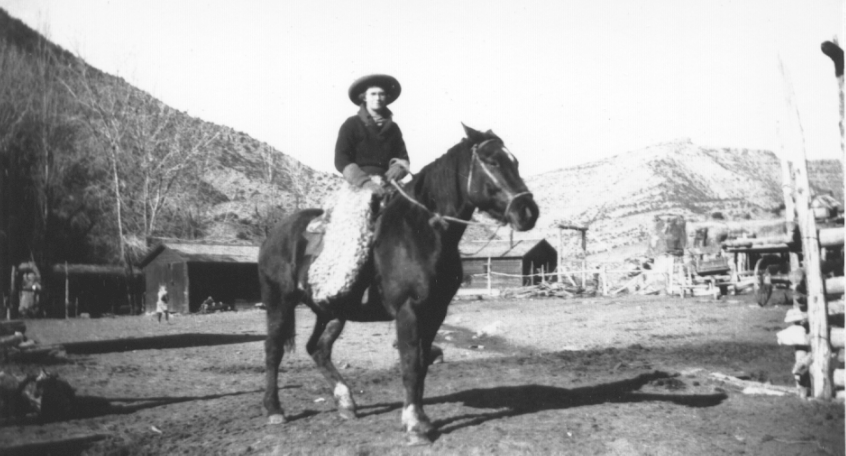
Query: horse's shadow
(510, 401)
(95, 406)
(160, 342)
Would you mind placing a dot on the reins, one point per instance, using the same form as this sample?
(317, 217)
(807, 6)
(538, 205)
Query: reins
(439, 218)
(436, 218)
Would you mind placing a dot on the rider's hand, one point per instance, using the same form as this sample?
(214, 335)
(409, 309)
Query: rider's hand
(397, 170)
(373, 187)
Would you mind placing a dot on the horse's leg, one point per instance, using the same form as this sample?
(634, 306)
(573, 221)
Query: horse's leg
(280, 333)
(413, 365)
(326, 331)
(428, 323)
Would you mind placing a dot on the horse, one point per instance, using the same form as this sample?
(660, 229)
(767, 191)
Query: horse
(413, 274)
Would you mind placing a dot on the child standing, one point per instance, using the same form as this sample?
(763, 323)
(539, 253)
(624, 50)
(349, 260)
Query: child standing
(161, 304)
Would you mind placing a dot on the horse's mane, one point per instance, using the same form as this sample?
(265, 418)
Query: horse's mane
(438, 181)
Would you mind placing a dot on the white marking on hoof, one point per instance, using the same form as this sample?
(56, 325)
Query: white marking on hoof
(343, 396)
(411, 418)
(436, 355)
(415, 439)
(347, 414)
(276, 419)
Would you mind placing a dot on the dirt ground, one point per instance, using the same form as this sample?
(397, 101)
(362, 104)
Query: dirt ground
(605, 376)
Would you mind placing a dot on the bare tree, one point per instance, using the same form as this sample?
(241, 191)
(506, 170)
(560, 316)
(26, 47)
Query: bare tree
(169, 146)
(13, 110)
(43, 171)
(150, 147)
(104, 111)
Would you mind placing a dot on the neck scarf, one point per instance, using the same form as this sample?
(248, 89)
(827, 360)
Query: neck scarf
(382, 119)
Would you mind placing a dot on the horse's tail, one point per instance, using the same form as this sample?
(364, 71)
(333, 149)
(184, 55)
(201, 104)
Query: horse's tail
(289, 328)
(301, 219)
(280, 258)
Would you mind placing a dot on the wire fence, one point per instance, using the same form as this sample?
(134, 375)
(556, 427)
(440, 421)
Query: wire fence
(577, 277)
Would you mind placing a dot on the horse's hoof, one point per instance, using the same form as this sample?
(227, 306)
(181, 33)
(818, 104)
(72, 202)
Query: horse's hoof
(415, 439)
(423, 428)
(276, 419)
(436, 355)
(347, 414)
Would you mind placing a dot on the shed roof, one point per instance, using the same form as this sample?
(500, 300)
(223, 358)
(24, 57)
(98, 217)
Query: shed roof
(499, 249)
(206, 253)
(93, 270)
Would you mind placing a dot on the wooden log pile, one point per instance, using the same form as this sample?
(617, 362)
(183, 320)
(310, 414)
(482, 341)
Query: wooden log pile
(804, 318)
(15, 346)
(816, 331)
(552, 290)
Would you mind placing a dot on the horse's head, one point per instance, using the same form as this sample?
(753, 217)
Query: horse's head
(494, 184)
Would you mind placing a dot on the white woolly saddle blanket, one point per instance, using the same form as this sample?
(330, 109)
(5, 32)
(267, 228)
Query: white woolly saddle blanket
(347, 237)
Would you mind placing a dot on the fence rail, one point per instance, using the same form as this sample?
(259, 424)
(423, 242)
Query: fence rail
(556, 275)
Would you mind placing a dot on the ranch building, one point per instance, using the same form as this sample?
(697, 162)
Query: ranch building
(512, 263)
(74, 289)
(194, 271)
(95, 290)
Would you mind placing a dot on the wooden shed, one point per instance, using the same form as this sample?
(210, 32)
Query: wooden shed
(95, 290)
(510, 262)
(194, 271)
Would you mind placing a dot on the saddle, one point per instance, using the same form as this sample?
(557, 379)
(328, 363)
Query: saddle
(339, 242)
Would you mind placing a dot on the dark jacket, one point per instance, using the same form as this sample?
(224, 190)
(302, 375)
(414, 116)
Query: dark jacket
(371, 147)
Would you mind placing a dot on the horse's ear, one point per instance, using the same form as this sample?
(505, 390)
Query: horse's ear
(471, 133)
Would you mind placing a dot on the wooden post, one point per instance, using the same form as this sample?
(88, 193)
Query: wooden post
(817, 308)
(67, 292)
(835, 53)
(584, 265)
(560, 253)
(672, 272)
(531, 273)
(584, 257)
(604, 281)
(489, 276)
(11, 295)
(789, 217)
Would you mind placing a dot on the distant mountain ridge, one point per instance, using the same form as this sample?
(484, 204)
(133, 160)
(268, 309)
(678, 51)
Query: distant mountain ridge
(620, 195)
(244, 179)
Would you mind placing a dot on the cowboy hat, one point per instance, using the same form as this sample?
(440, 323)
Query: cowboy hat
(388, 83)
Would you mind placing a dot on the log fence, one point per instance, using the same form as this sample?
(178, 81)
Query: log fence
(816, 320)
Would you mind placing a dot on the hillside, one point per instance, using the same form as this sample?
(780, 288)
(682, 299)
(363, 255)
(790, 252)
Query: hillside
(246, 180)
(623, 193)
(240, 185)
(237, 187)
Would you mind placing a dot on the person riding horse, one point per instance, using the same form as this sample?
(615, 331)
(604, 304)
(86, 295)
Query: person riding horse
(369, 151)
(370, 143)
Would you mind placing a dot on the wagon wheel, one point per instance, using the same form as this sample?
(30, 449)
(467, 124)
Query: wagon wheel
(763, 285)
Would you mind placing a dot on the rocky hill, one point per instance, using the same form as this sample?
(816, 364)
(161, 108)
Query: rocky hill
(239, 184)
(246, 180)
(619, 196)
(244, 183)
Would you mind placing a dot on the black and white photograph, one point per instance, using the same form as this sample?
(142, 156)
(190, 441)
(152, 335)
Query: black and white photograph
(422, 228)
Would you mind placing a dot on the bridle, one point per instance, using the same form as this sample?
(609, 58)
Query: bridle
(475, 158)
(438, 218)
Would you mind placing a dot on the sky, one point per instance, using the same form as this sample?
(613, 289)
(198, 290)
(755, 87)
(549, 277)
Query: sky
(561, 82)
